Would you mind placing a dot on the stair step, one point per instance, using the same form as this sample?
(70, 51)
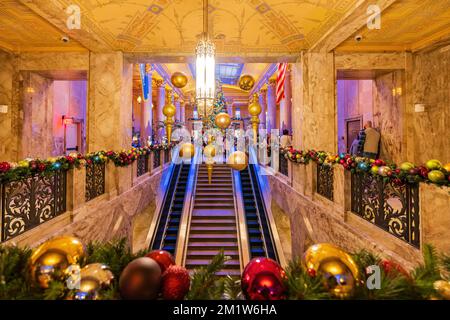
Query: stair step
(212, 223)
(213, 199)
(203, 205)
(216, 229)
(204, 262)
(212, 245)
(211, 253)
(232, 273)
(213, 237)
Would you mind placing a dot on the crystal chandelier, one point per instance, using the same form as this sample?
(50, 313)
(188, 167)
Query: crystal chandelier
(205, 69)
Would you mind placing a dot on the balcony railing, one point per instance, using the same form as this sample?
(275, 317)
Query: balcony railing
(29, 202)
(283, 163)
(325, 181)
(95, 180)
(156, 158)
(393, 208)
(142, 165)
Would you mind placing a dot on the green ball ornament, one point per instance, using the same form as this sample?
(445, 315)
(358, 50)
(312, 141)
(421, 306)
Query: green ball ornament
(436, 176)
(406, 166)
(433, 164)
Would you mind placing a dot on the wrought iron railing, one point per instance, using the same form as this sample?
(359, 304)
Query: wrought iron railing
(156, 158)
(95, 180)
(325, 181)
(283, 164)
(29, 202)
(142, 165)
(393, 208)
(166, 156)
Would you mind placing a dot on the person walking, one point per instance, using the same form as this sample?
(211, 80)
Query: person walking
(371, 142)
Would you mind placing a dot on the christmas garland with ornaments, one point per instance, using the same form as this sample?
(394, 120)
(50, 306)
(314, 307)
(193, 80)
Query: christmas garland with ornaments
(64, 268)
(433, 171)
(14, 171)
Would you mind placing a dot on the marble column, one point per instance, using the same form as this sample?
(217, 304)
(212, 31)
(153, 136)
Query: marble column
(161, 101)
(263, 104)
(147, 112)
(110, 102)
(287, 116)
(183, 112)
(271, 105)
(177, 105)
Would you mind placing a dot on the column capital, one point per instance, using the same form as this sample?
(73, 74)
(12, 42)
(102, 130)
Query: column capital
(176, 97)
(263, 91)
(272, 82)
(160, 83)
(148, 68)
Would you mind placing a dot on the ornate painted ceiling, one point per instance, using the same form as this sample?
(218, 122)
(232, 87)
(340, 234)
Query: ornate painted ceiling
(239, 27)
(405, 26)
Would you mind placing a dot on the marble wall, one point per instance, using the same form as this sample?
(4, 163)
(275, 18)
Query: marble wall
(8, 121)
(110, 102)
(428, 132)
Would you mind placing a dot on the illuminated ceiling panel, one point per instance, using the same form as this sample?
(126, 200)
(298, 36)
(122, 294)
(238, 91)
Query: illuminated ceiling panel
(227, 73)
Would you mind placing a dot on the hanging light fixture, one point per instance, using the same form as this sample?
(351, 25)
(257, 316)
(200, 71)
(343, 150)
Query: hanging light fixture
(205, 69)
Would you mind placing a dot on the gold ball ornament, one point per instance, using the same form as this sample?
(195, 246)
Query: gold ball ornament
(337, 268)
(254, 109)
(169, 110)
(179, 79)
(246, 82)
(93, 278)
(443, 288)
(238, 160)
(223, 120)
(447, 167)
(209, 151)
(51, 259)
(187, 150)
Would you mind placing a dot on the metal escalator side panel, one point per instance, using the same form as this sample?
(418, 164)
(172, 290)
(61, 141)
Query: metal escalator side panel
(185, 220)
(262, 182)
(163, 211)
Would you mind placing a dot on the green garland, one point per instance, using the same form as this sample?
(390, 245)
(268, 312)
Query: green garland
(10, 171)
(15, 282)
(431, 172)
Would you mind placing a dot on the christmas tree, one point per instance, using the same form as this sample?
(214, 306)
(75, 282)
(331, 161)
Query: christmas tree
(220, 105)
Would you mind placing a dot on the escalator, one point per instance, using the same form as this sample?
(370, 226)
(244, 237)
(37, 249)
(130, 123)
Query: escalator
(171, 210)
(258, 226)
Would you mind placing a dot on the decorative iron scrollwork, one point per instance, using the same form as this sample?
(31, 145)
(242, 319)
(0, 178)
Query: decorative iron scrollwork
(142, 165)
(283, 163)
(95, 180)
(393, 208)
(156, 158)
(325, 181)
(166, 156)
(29, 202)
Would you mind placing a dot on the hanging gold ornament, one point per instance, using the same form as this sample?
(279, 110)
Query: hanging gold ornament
(179, 79)
(254, 109)
(339, 271)
(223, 120)
(238, 160)
(209, 151)
(187, 150)
(246, 82)
(169, 111)
(443, 288)
(51, 259)
(93, 278)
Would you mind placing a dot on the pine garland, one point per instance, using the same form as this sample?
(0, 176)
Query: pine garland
(15, 282)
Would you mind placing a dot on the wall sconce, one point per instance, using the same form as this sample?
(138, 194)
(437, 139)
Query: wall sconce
(30, 90)
(67, 121)
(396, 91)
(139, 99)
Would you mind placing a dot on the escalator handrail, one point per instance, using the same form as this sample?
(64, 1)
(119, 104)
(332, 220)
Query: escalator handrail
(266, 198)
(161, 200)
(241, 222)
(188, 205)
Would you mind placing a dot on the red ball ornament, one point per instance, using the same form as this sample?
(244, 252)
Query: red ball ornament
(140, 280)
(379, 163)
(164, 259)
(391, 269)
(262, 279)
(175, 283)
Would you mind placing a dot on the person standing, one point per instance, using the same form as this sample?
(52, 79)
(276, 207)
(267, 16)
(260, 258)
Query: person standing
(372, 141)
(285, 140)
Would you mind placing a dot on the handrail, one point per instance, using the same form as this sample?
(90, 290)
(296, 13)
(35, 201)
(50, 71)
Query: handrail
(160, 200)
(267, 200)
(188, 205)
(242, 231)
